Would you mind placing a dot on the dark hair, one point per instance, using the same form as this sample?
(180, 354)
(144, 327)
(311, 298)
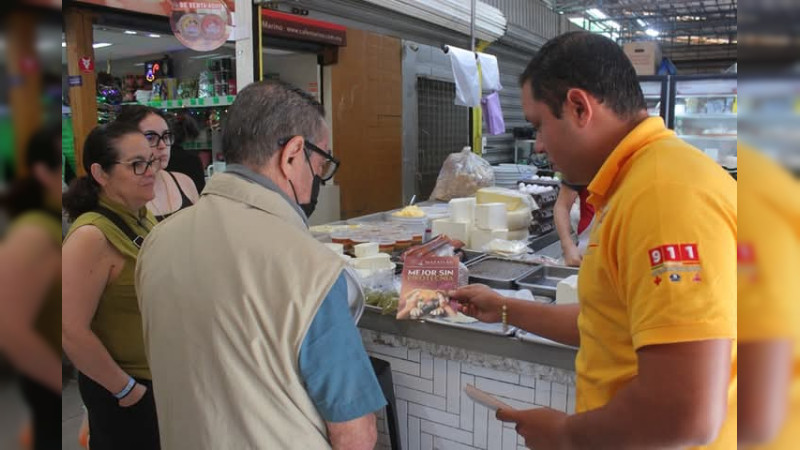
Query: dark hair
(28, 193)
(585, 61)
(262, 114)
(100, 148)
(135, 114)
(184, 128)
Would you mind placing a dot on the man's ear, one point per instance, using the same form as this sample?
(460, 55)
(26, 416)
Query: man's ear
(580, 106)
(290, 155)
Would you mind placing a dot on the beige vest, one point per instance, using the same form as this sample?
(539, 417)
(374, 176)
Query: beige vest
(227, 290)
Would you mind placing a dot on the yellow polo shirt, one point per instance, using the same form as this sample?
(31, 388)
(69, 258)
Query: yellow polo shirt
(660, 267)
(769, 264)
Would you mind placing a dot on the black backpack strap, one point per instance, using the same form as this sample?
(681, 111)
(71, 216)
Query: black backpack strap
(136, 239)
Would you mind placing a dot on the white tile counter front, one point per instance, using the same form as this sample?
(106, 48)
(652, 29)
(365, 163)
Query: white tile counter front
(429, 378)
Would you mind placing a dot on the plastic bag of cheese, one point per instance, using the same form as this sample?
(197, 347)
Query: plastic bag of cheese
(462, 175)
(505, 247)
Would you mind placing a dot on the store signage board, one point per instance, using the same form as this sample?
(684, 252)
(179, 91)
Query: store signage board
(75, 80)
(280, 24)
(153, 7)
(200, 25)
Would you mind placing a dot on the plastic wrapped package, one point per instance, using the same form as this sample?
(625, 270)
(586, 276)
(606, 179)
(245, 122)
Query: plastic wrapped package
(505, 247)
(381, 290)
(462, 175)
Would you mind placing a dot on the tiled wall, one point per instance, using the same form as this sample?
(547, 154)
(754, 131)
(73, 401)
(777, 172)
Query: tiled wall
(433, 411)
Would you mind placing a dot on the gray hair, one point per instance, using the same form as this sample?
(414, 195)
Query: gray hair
(264, 113)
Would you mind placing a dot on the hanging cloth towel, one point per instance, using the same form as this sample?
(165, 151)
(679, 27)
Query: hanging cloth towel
(490, 73)
(465, 72)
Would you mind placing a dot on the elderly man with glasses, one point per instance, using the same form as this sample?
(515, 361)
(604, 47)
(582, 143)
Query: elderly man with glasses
(246, 317)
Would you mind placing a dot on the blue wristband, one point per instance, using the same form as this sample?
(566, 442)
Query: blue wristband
(128, 388)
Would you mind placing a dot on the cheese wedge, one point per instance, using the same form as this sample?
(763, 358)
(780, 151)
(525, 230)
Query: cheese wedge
(478, 237)
(519, 219)
(336, 248)
(491, 216)
(513, 200)
(567, 291)
(374, 262)
(366, 249)
(452, 229)
(462, 209)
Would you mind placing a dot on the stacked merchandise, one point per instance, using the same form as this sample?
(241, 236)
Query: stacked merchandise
(544, 191)
(494, 213)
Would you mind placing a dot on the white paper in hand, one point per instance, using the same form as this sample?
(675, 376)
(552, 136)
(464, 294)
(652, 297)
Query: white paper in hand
(484, 398)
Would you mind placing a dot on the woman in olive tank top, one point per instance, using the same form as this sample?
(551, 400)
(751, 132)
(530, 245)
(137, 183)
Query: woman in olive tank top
(30, 297)
(102, 325)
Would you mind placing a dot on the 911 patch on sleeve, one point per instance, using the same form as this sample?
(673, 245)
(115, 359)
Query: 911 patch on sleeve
(747, 266)
(680, 261)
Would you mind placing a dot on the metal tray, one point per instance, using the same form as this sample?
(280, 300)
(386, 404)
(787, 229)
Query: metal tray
(499, 273)
(471, 256)
(544, 280)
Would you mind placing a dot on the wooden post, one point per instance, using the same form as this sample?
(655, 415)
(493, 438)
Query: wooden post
(83, 98)
(25, 82)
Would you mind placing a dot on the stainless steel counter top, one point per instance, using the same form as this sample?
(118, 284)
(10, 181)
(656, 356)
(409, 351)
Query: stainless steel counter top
(543, 353)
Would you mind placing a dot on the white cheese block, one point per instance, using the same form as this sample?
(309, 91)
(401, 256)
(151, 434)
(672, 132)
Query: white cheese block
(513, 200)
(374, 262)
(518, 235)
(478, 237)
(491, 216)
(462, 209)
(452, 229)
(567, 290)
(366, 249)
(519, 219)
(336, 248)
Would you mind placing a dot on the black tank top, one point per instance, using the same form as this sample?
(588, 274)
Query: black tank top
(185, 201)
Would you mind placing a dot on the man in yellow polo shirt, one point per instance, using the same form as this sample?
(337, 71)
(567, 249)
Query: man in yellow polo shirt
(656, 321)
(769, 301)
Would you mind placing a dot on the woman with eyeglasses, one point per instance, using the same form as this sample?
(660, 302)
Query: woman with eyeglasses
(174, 190)
(101, 323)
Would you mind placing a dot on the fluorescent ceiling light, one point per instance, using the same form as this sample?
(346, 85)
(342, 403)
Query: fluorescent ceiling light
(101, 44)
(651, 32)
(130, 32)
(63, 44)
(596, 13)
(579, 21)
(613, 24)
(641, 23)
(153, 35)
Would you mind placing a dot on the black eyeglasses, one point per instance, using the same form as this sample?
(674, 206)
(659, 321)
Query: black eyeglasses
(140, 167)
(153, 138)
(331, 164)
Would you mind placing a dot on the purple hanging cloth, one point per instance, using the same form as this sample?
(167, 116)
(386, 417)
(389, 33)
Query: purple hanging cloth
(493, 114)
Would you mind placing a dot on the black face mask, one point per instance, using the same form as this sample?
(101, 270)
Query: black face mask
(308, 208)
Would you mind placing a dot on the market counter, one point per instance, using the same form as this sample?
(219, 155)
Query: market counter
(431, 364)
(545, 353)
